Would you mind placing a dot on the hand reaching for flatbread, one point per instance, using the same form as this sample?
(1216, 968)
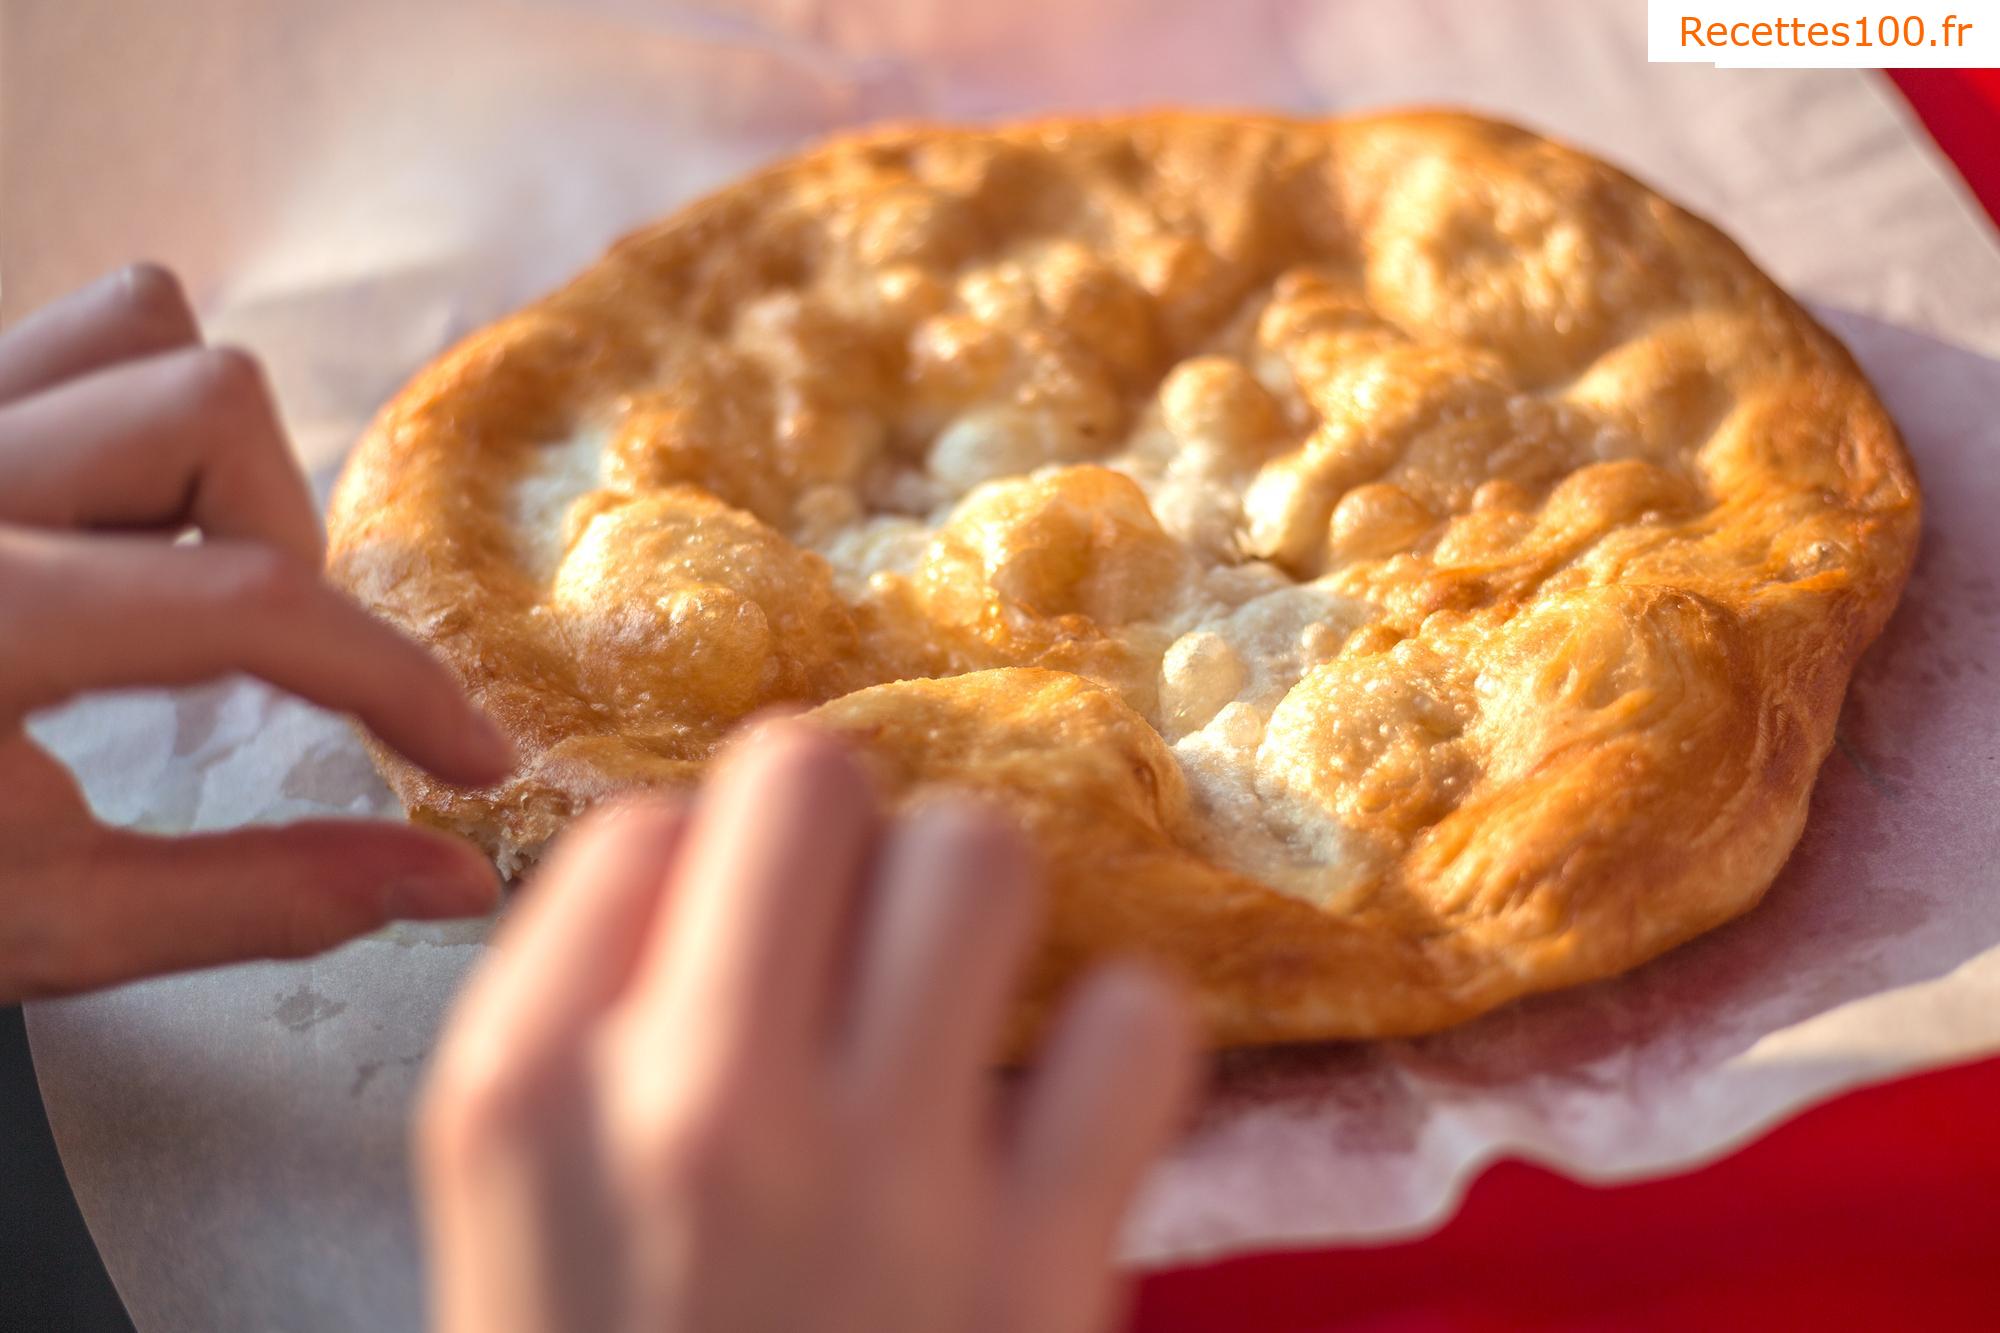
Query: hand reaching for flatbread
(120, 431)
(729, 1067)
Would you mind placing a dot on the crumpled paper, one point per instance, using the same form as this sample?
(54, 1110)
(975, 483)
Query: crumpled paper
(348, 188)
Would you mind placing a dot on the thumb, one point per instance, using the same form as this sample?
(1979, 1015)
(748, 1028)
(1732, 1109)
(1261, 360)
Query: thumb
(135, 905)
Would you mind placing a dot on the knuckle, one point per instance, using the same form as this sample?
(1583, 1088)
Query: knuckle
(478, 1094)
(693, 1153)
(60, 948)
(715, 1159)
(224, 380)
(43, 960)
(268, 582)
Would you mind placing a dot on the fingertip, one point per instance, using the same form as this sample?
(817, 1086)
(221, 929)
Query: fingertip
(771, 715)
(491, 754)
(1136, 1008)
(634, 812)
(1113, 1087)
(783, 731)
(972, 840)
(289, 891)
(443, 876)
(1142, 998)
(968, 816)
(462, 766)
(787, 748)
(462, 742)
(151, 291)
(983, 828)
(644, 825)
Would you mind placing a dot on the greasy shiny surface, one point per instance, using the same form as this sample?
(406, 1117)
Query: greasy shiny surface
(1392, 565)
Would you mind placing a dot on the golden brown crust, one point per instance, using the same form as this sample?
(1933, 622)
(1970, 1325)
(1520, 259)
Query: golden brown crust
(1392, 565)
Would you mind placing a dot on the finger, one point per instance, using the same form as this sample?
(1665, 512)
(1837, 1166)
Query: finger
(136, 311)
(185, 437)
(507, 1146)
(741, 962)
(99, 612)
(133, 905)
(1112, 1086)
(940, 949)
(569, 948)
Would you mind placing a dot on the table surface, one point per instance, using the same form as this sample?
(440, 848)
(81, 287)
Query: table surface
(1878, 1210)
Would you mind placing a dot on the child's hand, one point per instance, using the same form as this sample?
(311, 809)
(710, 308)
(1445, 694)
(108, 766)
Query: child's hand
(119, 430)
(729, 1070)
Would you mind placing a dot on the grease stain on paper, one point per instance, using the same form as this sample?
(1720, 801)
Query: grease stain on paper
(306, 1008)
(365, 1072)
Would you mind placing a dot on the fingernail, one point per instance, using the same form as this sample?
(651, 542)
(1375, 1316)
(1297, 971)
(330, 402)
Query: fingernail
(420, 899)
(774, 715)
(1138, 990)
(976, 824)
(790, 744)
(771, 725)
(964, 814)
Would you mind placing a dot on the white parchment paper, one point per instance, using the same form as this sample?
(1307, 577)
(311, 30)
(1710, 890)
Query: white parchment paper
(350, 187)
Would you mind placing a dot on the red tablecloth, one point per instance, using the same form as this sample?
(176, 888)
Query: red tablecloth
(1880, 1210)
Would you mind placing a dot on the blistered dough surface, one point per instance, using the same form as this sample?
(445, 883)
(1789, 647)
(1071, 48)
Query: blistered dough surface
(1391, 565)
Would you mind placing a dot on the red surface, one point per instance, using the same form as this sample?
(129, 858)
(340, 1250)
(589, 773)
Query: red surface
(1961, 109)
(1880, 1210)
